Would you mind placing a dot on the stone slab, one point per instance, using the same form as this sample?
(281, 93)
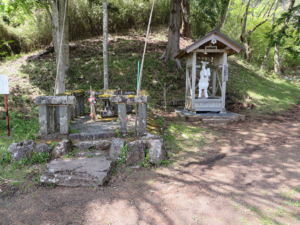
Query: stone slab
(78, 172)
(129, 99)
(135, 152)
(91, 136)
(194, 117)
(55, 100)
(97, 145)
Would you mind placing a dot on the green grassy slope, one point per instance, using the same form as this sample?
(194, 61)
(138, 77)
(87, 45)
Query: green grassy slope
(246, 87)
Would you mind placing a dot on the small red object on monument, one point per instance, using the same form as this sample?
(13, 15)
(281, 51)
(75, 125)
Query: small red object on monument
(91, 99)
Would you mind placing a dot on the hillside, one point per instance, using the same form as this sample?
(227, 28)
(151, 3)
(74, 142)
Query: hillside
(247, 88)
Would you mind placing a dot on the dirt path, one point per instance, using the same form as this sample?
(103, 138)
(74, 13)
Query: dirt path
(257, 182)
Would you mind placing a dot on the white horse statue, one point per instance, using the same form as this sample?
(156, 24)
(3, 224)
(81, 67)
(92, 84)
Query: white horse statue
(204, 79)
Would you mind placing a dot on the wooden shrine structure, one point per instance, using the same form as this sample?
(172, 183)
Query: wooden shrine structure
(213, 50)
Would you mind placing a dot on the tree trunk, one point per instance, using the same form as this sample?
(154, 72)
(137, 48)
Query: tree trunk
(276, 60)
(282, 30)
(223, 15)
(105, 32)
(46, 51)
(264, 63)
(186, 27)
(172, 48)
(60, 34)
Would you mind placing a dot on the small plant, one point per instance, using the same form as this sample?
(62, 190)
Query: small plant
(123, 155)
(118, 133)
(166, 162)
(89, 156)
(70, 155)
(146, 162)
(4, 156)
(73, 131)
(39, 158)
(52, 145)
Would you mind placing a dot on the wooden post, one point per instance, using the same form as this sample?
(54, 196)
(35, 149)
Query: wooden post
(214, 84)
(186, 84)
(224, 62)
(193, 81)
(7, 118)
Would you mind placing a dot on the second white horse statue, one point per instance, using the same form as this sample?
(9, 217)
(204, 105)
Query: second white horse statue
(204, 79)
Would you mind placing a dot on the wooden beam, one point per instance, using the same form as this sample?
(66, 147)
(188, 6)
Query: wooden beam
(212, 50)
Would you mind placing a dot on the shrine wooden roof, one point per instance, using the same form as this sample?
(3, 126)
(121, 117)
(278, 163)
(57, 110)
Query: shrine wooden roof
(222, 42)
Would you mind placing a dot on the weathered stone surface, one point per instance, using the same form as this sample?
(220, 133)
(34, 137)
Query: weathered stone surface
(116, 147)
(65, 116)
(78, 172)
(62, 148)
(129, 99)
(142, 118)
(148, 136)
(21, 149)
(42, 148)
(55, 137)
(44, 119)
(97, 145)
(157, 151)
(135, 152)
(122, 117)
(55, 100)
(90, 136)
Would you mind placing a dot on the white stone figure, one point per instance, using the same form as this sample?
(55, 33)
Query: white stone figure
(204, 79)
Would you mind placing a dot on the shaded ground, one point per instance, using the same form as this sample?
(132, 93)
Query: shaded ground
(257, 182)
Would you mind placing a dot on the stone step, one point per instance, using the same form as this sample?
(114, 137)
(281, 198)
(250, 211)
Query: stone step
(91, 136)
(78, 172)
(92, 144)
(90, 154)
(218, 121)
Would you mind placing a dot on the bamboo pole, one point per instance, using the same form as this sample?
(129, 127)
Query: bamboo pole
(142, 65)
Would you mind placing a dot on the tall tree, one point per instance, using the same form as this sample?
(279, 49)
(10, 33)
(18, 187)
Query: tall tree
(264, 63)
(105, 33)
(278, 36)
(60, 34)
(223, 13)
(185, 11)
(172, 48)
(246, 34)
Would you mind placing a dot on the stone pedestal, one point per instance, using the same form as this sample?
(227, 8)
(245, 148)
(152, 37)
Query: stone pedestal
(54, 110)
(122, 101)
